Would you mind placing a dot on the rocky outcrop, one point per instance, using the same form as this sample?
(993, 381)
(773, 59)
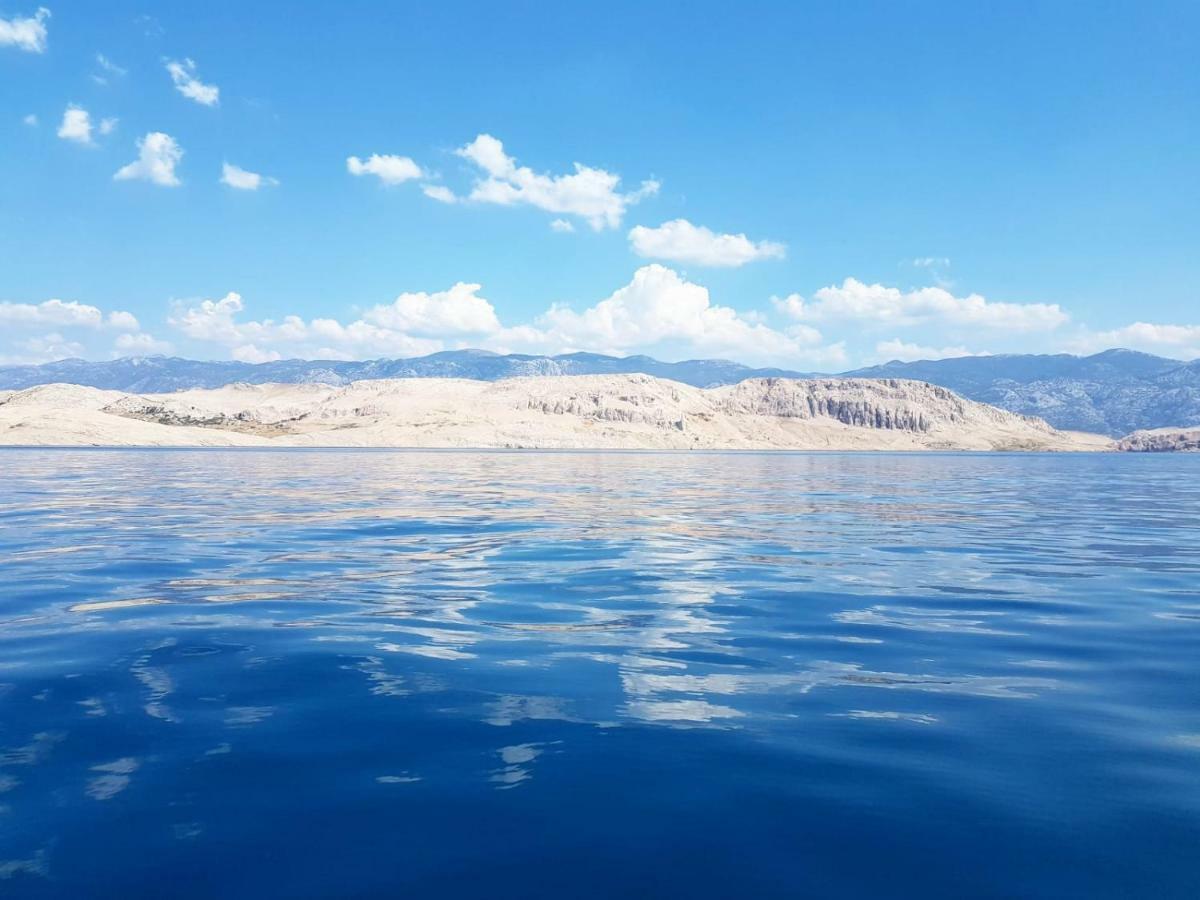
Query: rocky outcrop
(595, 411)
(1162, 440)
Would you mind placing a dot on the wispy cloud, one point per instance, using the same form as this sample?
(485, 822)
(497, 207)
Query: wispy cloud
(183, 74)
(243, 180)
(439, 192)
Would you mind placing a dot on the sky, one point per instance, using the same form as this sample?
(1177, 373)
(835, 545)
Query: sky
(816, 186)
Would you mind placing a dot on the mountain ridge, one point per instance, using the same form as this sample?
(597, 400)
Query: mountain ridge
(1114, 392)
(627, 411)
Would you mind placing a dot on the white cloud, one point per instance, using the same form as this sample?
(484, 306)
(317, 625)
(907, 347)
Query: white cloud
(63, 316)
(242, 180)
(51, 312)
(658, 311)
(64, 313)
(874, 303)
(28, 33)
(183, 73)
(217, 321)
(43, 349)
(886, 351)
(108, 69)
(681, 241)
(588, 193)
(388, 169)
(931, 262)
(251, 354)
(439, 193)
(123, 321)
(140, 344)
(458, 311)
(158, 155)
(107, 126)
(31, 120)
(76, 125)
(562, 226)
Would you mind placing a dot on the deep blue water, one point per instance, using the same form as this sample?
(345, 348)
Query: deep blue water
(350, 674)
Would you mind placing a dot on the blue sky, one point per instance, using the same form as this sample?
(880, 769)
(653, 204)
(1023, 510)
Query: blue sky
(810, 185)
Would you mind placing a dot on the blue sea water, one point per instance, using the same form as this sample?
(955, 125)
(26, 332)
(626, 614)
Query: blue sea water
(459, 674)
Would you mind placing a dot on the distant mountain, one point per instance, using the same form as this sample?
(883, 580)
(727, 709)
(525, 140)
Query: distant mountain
(1114, 392)
(157, 374)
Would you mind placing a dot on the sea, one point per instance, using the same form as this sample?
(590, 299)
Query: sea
(555, 674)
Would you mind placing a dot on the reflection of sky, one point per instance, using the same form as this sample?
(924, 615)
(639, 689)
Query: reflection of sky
(225, 598)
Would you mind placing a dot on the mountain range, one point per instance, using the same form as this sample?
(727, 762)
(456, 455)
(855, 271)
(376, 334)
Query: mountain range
(1113, 393)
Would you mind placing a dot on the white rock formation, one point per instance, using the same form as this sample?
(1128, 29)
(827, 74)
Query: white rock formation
(586, 411)
(1162, 440)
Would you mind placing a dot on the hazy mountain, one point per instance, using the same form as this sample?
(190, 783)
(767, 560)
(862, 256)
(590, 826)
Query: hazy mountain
(156, 374)
(1113, 393)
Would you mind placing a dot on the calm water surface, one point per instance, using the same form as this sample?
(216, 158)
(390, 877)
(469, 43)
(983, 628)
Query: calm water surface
(349, 674)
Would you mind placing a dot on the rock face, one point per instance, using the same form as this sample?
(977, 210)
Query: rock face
(1114, 392)
(598, 411)
(1162, 440)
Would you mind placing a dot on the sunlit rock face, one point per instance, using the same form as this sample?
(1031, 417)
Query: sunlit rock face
(550, 412)
(1113, 393)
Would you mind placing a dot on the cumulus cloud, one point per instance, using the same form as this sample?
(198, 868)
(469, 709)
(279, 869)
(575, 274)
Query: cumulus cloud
(661, 311)
(931, 262)
(874, 303)
(43, 348)
(657, 312)
(31, 120)
(72, 323)
(562, 226)
(26, 33)
(388, 169)
(681, 241)
(64, 313)
(140, 344)
(591, 194)
(158, 155)
(218, 321)
(183, 74)
(886, 351)
(457, 311)
(252, 354)
(107, 126)
(243, 180)
(76, 125)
